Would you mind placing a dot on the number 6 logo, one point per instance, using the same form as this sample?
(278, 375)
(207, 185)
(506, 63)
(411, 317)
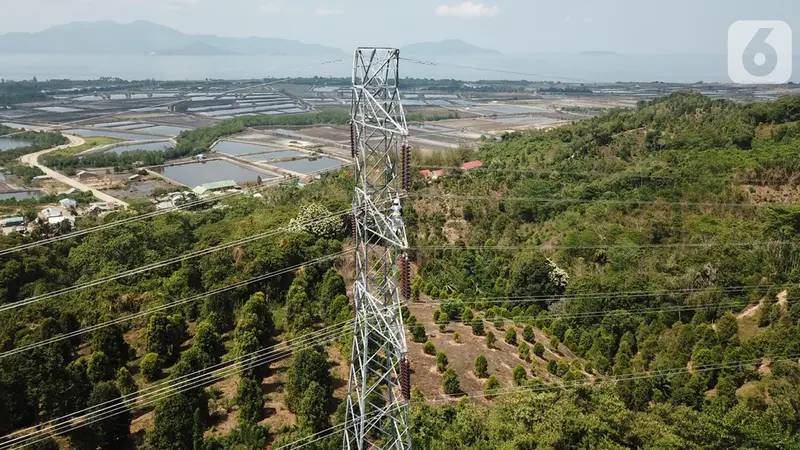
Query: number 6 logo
(760, 52)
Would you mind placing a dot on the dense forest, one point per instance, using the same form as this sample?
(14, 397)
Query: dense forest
(656, 247)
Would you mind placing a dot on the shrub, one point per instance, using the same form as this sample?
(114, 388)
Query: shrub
(418, 333)
(528, 334)
(492, 385)
(405, 313)
(552, 366)
(538, 349)
(450, 382)
(411, 321)
(429, 348)
(524, 352)
(511, 336)
(436, 315)
(574, 375)
(444, 320)
(477, 327)
(499, 323)
(490, 339)
(150, 366)
(467, 315)
(562, 367)
(520, 375)
(441, 362)
(554, 343)
(456, 338)
(481, 367)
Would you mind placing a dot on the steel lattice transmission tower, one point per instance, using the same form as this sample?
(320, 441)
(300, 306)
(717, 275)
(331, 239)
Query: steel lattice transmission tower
(377, 404)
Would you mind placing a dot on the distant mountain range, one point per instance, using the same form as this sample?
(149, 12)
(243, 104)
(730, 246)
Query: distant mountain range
(455, 47)
(144, 37)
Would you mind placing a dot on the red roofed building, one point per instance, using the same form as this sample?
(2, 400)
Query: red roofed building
(471, 165)
(432, 175)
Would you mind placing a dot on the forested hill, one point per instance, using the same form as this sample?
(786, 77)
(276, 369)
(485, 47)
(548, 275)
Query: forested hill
(660, 244)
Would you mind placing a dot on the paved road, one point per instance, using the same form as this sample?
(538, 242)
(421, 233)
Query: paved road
(32, 159)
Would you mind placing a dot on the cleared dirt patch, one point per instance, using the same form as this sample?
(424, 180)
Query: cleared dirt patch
(502, 358)
(768, 194)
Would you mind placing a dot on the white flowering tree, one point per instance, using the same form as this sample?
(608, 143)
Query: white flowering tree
(532, 274)
(558, 276)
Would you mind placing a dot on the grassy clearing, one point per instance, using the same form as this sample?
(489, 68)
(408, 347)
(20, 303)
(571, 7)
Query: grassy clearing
(91, 142)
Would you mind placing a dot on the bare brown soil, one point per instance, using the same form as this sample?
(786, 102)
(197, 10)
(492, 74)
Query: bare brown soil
(461, 356)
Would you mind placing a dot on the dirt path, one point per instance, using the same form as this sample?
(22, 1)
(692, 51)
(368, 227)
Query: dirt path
(32, 159)
(751, 311)
(783, 300)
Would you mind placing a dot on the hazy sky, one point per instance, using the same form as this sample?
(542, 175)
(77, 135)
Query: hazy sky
(627, 26)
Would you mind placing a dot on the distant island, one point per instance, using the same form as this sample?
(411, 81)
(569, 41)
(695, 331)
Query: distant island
(143, 37)
(450, 47)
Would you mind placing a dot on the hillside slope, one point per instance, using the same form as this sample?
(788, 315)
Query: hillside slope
(634, 239)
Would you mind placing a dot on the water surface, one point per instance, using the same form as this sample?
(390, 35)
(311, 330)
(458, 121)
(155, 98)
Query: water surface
(308, 166)
(154, 146)
(541, 66)
(113, 134)
(114, 124)
(19, 195)
(11, 143)
(239, 148)
(196, 174)
(59, 109)
(273, 156)
(163, 129)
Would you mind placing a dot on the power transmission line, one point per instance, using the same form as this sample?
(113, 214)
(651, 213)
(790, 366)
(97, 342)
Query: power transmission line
(609, 295)
(328, 432)
(592, 201)
(117, 406)
(173, 304)
(604, 313)
(182, 207)
(556, 172)
(184, 383)
(168, 262)
(534, 388)
(605, 247)
(604, 380)
(488, 69)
